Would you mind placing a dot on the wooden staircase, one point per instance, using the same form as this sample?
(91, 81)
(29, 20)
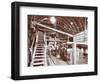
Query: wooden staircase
(39, 55)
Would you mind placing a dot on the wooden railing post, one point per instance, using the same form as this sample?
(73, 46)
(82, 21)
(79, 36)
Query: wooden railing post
(45, 48)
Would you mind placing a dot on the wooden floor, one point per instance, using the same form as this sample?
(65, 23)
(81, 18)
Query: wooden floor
(83, 60)
(52, 60)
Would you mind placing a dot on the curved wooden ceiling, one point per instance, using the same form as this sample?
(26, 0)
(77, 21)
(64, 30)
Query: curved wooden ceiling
(71, 25)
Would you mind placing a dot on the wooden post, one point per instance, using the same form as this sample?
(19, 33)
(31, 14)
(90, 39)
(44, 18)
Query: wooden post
(45, 49)
(74, 54)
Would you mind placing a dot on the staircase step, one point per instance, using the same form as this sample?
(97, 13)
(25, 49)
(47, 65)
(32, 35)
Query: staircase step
(39, 56)
(39, 63)
(38, 59)
(40, 44)
(39, 48)
(39, 53)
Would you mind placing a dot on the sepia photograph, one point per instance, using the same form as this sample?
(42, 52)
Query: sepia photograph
(53, 40)
(57, 40)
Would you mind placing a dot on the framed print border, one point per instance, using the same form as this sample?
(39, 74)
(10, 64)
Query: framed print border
(15, 40)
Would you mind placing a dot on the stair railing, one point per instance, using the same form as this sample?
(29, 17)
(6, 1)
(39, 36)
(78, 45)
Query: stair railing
(45, 45)
(33, 54)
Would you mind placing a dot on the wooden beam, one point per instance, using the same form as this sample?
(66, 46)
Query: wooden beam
(53, 29)
(66, 23)
(85, 43)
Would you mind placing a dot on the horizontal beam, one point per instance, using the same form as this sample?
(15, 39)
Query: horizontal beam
(53, 29)
(77, 43)
(54, 40)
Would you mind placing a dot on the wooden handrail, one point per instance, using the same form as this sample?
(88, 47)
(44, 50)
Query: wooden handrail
(33, 54)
